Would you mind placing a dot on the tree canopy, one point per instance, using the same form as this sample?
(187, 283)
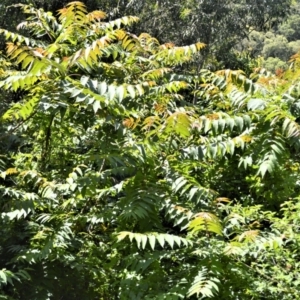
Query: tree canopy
(221, 25)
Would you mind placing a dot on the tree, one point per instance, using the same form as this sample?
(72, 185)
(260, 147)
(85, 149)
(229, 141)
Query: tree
(277, 46)
(290, 28)
(125, 170)
(274, 64)
(274, 49)
(219, 24)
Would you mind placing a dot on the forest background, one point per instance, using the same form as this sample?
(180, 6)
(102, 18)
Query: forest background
(149, 150)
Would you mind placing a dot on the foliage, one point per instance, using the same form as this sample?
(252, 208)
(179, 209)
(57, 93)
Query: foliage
(275, 64)
(220, 25)
(188, 21)
(127, 178)
(276, 45)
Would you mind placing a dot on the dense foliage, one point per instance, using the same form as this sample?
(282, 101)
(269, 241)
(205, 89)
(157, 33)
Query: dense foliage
(127, 175)
(224, 26)
(275, 46)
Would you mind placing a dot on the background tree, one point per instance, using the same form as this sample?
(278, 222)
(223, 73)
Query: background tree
(277, 45)
(220, 25)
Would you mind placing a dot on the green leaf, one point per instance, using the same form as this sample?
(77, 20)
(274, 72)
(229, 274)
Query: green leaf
(152, 241)
(205, 222)
(161, 240)
(96, 106)
(256, 104)
(3, 277)
(131, 91)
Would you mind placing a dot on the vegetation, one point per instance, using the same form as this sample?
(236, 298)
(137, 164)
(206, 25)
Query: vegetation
(129, 171)
(276, 45)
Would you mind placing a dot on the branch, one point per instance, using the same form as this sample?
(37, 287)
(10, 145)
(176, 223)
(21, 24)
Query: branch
(16, 127)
